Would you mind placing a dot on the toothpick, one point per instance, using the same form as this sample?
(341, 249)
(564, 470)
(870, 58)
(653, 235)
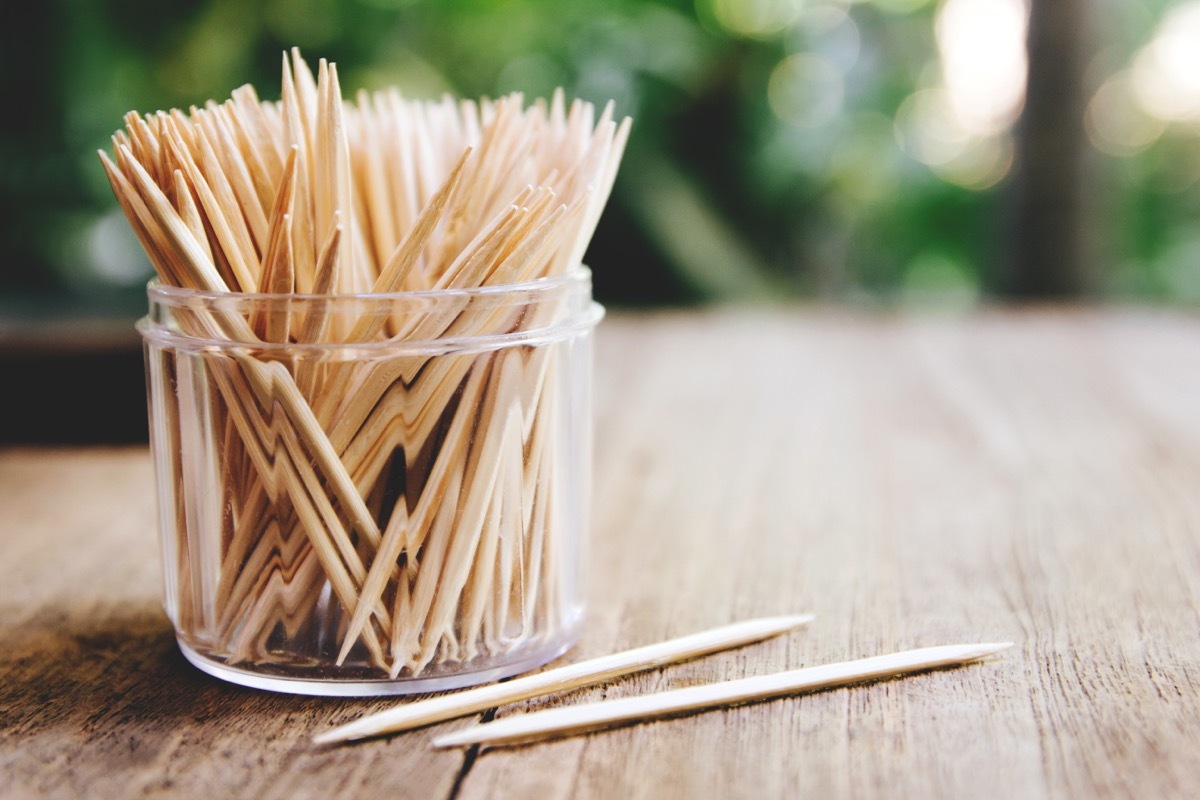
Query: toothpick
(561, 679)
(570, 720)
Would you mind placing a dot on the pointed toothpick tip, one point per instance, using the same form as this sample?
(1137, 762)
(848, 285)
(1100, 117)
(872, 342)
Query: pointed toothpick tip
(990, 648)
(333, 736)
(783, 622)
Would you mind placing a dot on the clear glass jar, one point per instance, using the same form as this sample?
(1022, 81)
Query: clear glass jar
(372, 494)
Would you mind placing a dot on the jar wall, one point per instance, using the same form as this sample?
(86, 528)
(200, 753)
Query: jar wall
(347, 520)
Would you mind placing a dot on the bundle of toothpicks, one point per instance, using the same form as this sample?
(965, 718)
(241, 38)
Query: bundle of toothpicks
(408, 499)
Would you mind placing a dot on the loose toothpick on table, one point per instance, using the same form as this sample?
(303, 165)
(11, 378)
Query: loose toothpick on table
(561, 679)
(523, 728)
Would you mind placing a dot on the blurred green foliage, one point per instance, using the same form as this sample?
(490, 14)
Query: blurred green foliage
(773, 155)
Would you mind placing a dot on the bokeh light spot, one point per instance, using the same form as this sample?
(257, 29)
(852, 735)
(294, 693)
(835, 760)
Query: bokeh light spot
(1166, 73)
(931, 133)
(936, 281)
(756, 18)
(805, 90)
(1116, 123)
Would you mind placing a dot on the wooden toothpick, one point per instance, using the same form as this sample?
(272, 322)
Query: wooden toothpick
(572, 676)
(570, 720)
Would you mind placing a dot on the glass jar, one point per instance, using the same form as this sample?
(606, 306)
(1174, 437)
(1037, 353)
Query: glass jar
(372, 494)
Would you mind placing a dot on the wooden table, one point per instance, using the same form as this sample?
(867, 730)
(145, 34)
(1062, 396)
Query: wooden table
(1030, 475)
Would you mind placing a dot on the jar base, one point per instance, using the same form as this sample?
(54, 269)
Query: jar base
(355, 687)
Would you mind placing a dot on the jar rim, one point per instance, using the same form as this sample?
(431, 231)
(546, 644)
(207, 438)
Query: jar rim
(165, 293)
(569, 293)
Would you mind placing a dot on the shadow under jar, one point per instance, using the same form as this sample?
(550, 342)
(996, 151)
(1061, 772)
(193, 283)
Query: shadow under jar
(372, 494)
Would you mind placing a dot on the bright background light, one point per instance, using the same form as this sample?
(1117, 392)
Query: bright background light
(981, 44)
(960, 126)
(1166, 73)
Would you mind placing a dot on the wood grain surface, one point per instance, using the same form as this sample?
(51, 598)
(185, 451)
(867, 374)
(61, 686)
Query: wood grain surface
(1031, 476)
